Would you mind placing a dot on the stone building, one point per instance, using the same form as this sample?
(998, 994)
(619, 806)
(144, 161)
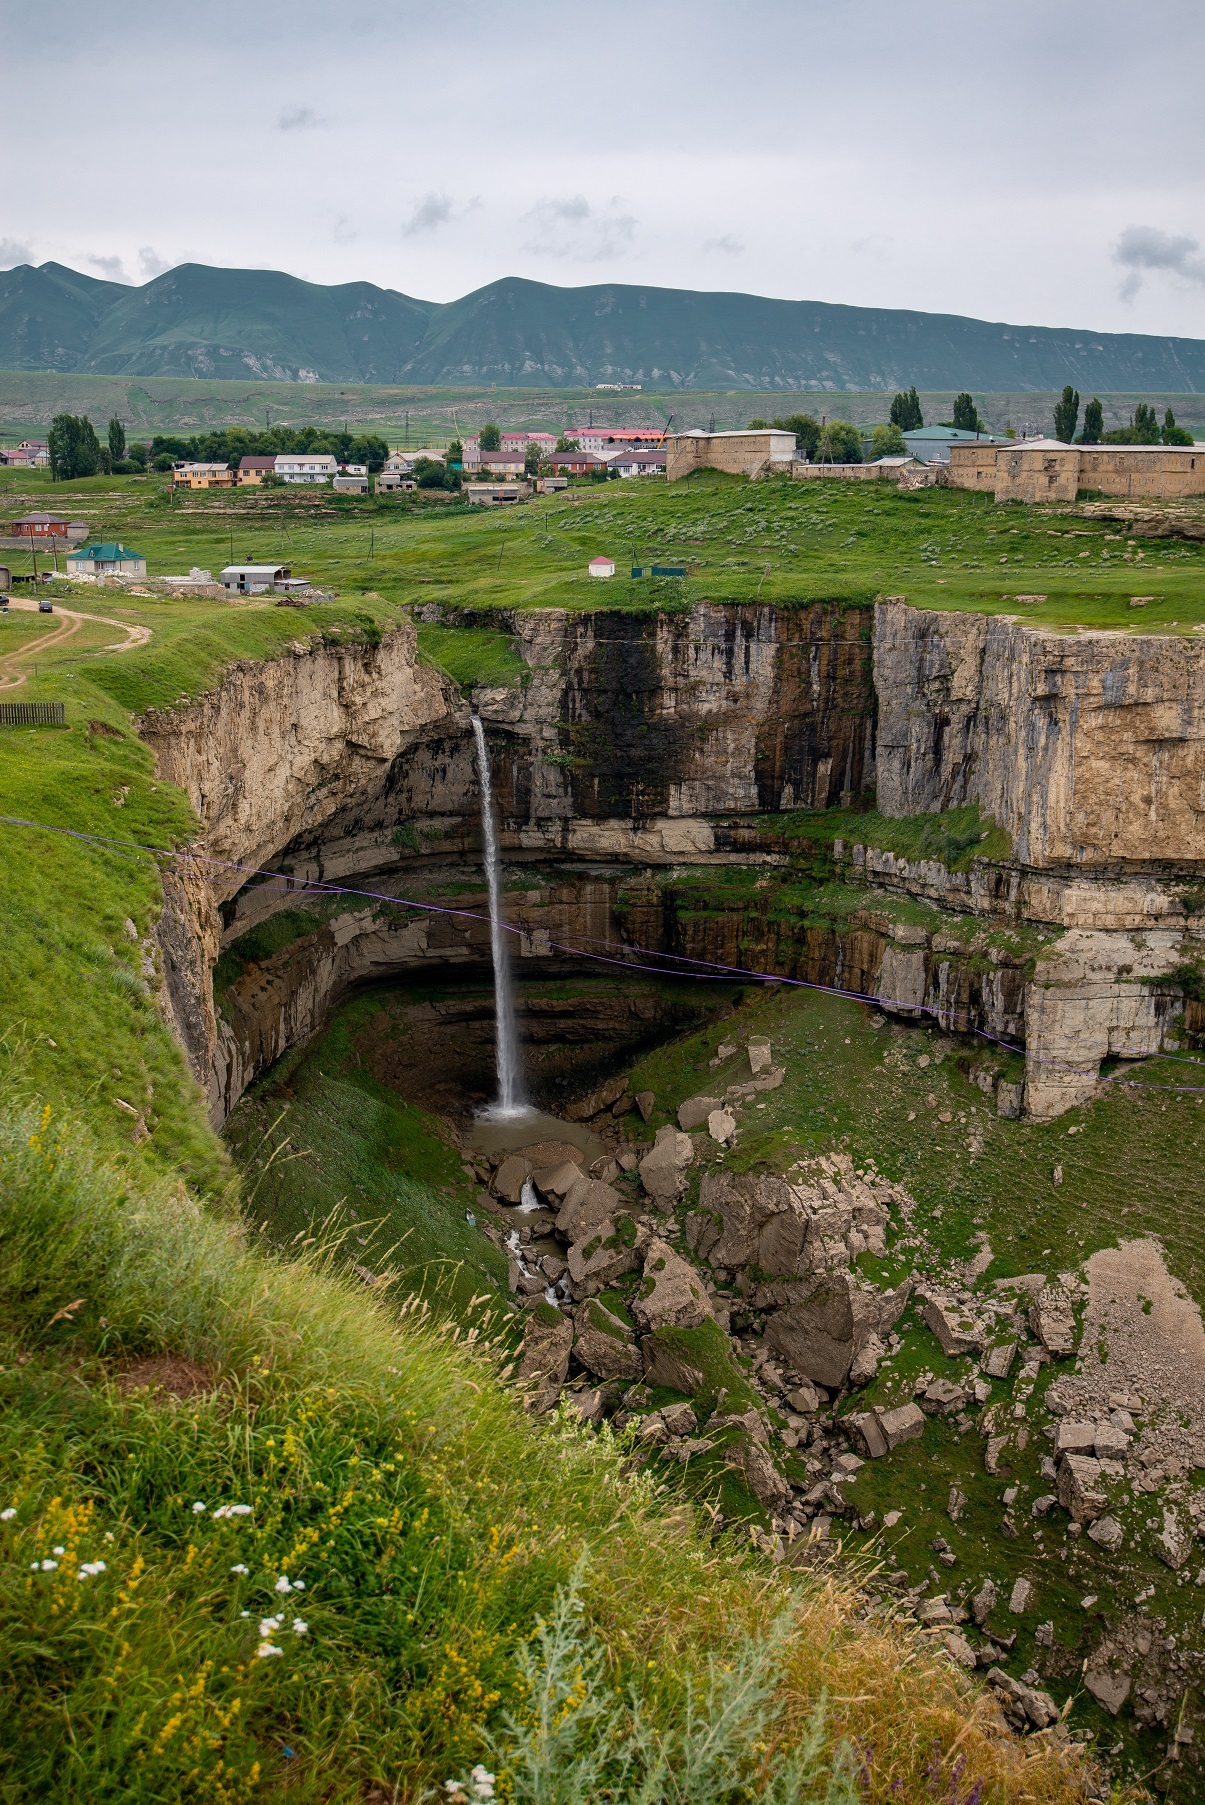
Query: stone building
(1048, 470)
(738, 453)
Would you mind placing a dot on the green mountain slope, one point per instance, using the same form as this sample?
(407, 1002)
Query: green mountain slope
(200, 321)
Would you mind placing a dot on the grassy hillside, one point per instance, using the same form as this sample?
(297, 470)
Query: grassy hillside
(775, 541)
(200, 321)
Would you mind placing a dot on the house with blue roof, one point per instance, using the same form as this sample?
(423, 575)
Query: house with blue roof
(106, 559)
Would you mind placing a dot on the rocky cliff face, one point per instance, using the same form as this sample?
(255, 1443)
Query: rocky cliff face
(632, 734)
(1089, 748)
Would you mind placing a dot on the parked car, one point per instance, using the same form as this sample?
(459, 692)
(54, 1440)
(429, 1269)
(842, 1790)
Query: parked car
(45, 607)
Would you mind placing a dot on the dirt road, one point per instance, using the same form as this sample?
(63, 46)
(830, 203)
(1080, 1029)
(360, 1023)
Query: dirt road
(11, 677)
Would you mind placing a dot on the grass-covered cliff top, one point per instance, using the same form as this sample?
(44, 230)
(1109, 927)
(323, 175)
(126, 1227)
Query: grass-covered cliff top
(775, 541)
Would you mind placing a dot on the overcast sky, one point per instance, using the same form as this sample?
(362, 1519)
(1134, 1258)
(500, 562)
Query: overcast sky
(1038, 161)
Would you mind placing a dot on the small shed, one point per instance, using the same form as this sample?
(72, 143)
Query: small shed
(106, 559)
(253, 579)
(602, 567)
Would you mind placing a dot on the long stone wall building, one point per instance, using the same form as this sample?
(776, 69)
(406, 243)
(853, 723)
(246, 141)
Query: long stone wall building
(1048, 470)
(738, 453)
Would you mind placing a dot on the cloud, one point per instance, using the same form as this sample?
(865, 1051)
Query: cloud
(570, 227)
(109, 267)
(298, 119)
(730, 246)
(15, 250)
(431, 212)
(151, 263)
(1141, 249)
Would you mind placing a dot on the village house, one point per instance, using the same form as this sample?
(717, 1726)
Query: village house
(252, 470)
(544, 442)
(307, 467)
(638, 463)
(493, 495)
(1048, 470)
(203, 476)
(746, 453)
(501, 465)
(576, 463)
(45, 529)
(352, 479)
(932, 444)
(254, 579)
(603, 440)
(33, 454)
(106, 559)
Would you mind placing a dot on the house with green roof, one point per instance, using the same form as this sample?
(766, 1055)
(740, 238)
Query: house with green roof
(106, 559)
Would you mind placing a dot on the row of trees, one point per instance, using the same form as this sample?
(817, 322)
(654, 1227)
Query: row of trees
(231, 443)
(1144, 427)
(76, 451)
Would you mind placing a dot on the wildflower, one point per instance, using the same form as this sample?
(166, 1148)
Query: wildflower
(299, 1585)
(88, 1569)
(11, 1511)
(48, 1566)
(284, 1584)
(230, 1510)
(267, 1649)
(197, 1508)
(59, 1550)
(483, 1782)
(268, 1626)
(238, 1567)
(244, 1613)
(300, 1627)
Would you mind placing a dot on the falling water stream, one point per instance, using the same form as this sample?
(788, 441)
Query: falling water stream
(510, 1101)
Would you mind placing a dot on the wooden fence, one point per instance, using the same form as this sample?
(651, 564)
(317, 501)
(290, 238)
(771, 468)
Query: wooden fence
(31, 714)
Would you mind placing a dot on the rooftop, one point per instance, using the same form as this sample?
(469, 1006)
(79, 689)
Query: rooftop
(108, 551)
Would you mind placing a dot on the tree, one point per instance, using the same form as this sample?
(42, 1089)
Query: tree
(966, 414)
(1066, 414)
(489, 438)
(1173, 434)
(1144, 429)
(455, 453)
(117, 439)
(74, 447)
(430, 475)
(138, 456)
(531, 459)
(757, 425)
(840, 443)
(887, 442)
(371, 449)
(905, 411)
(564, 444)
(806, 430)
(1094, 423)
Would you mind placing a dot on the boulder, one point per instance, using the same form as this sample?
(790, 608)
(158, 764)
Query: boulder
(721, 1125)
(957, 1330)
(695, 1111)
(803, 1398)
(941, 1397)
(1110, 1443)
(758, 1046)
(1078, 1488)
(748, 1220)
(864, 1427)
(765, 1081)
(666, 1364)
(680, 1419)
(1025, 1705)
(761, 1475)
(551, 1153)
(1021, 1596)
(819, 1336)
(1052, 1319)
(984, 1603)
(586, 1204)
(1107, 1533)
(663, 1168)
(999, 1361)
(1173, 1544)
(553, 1181)
(865, 1364)
(960, 1650)
(593, 1104)
(1110, 1690)
(612, 1249)
(544, 1363)
(672, 1295)
(1075, 1438)
(906, 1423)
(603, 1344)
(645, 1103)
(588, 1404)
(511, 1176)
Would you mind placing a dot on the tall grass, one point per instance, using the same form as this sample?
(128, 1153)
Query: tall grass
(424, 1527)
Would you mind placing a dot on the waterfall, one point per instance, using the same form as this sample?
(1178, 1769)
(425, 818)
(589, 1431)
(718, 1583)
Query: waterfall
(510, 1100)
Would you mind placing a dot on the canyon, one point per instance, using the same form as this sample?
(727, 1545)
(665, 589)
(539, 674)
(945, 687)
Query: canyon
(651, 771)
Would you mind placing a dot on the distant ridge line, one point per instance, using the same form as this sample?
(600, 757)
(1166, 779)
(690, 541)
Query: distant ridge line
(264, 325)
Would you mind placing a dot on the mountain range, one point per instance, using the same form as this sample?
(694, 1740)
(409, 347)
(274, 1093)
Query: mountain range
(197, 320)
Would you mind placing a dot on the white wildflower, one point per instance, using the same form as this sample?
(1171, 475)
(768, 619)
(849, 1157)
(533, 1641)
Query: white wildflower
(266, 1649)
(300, 1627)
(231, 1510)
(59, 1550)
(268, 1626)
(197, 1508)
(283, 1584)
(483, 1782)
(88, 1569)
(6, 1514)
(244, 1613)
(238, 1567)
(49, 1566)
(299, 1585)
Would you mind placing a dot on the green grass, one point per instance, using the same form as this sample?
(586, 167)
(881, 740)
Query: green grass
(776, 541)
(472, 655)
